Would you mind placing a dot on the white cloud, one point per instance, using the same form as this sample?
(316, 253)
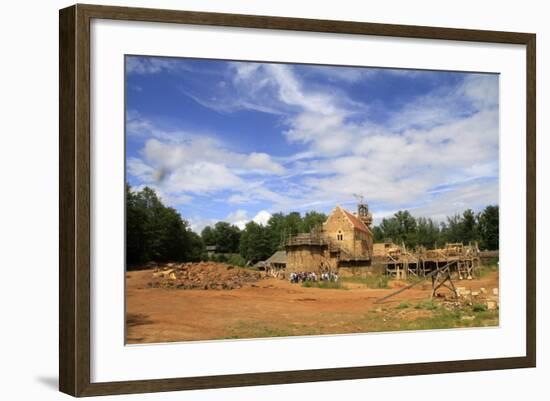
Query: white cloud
(152, 65)
(481, 89)
(262, 163)
(443, 137)
(445, 105)
(183, 165)
(139, 127)
(237, 215)
(197, 223)
(256, 192)
(400, 169)
(240, 218)
(472, 195)
(172, 200)
(195, 148)
(262, 217)
(345, 74)
(139, 169)
(448, 137)
(201, 177)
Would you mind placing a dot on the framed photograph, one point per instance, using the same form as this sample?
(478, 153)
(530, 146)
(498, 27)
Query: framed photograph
(250, 200)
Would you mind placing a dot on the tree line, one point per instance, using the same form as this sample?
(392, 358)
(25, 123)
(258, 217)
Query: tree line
(155, 232)
(257, 241)
(468, 227)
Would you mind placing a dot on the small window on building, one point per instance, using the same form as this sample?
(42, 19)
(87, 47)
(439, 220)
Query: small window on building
(340, 236)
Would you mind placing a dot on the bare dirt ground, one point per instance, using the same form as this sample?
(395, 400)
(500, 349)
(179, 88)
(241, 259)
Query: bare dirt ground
(272, 308)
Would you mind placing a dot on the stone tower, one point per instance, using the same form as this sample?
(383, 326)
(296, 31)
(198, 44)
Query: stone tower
(363, 213)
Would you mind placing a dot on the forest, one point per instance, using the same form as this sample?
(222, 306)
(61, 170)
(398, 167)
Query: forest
(155, 232)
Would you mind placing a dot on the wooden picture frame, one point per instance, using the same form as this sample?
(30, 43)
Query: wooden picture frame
(74, 204)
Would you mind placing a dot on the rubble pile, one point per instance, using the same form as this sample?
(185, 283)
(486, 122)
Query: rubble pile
(203, 275)
(490, 299)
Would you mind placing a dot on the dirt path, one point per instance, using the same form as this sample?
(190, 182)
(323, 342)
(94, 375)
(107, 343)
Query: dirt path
(269, 308)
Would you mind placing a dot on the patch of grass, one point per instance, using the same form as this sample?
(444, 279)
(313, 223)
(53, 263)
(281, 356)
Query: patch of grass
(479, 307)
(491, 261)
(428, 304)
(251, 329)
(370, 281)
(403, 305)
(487, 318)
(434, 316)
(486, 269)
(333, 285)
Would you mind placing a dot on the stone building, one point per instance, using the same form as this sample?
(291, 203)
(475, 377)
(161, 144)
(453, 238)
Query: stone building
(344, 243)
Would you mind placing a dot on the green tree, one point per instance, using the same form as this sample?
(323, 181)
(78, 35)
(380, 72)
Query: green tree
(378, 234)
(196, 250)
(400, 228)
(488, 222)
(136, 236)
(389, 229)
(208, 236)
(407, 228)
(255, 244)
(451, 230)
(311, 220)
(155, 232)
(292, 223)
(227, 237)
(276, 232)
(223, 235)
(427, 233)
(469, 227)
(167, 240)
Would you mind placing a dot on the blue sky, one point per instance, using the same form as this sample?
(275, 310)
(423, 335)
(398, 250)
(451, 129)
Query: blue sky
(238, 141)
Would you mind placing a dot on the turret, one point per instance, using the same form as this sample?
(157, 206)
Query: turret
(363, 213)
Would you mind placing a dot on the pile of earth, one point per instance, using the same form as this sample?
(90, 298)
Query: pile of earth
(203, 276)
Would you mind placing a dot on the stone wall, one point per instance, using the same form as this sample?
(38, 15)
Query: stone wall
(379, 249)
(338, 232)
(363, 244)
(309, 258)
(342, 233)
(337, 225)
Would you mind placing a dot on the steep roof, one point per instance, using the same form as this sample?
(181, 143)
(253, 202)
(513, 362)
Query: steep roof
(277, 257)
(358, 224)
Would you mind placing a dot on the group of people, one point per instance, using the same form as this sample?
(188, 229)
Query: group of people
(329, 276)
(301, 277)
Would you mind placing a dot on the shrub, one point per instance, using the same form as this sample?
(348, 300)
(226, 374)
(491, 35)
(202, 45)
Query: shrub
(479, 307)
(324, 284)
(236, 260)
(427, 305)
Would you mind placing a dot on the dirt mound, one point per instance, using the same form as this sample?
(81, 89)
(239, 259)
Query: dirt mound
(203, 276)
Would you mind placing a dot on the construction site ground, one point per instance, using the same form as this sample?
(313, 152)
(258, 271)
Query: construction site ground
(272, 307)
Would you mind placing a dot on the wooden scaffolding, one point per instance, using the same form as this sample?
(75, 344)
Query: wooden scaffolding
(461, 261)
